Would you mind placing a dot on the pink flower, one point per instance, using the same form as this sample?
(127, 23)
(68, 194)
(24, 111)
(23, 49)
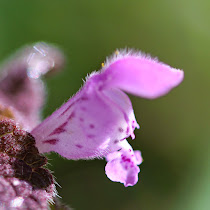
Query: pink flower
(92, 124)
(98, 119)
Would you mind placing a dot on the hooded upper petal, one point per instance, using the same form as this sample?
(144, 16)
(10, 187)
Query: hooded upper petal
(139, 74)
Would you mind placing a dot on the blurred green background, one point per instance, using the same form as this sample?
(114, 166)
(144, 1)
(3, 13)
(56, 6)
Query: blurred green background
(175, 129)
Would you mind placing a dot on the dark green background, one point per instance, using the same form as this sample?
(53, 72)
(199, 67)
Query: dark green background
(175, 129)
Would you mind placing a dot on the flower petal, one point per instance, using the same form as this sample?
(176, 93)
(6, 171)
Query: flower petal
(122, 165)
(20, 84)
(140, 75)
(91, 124)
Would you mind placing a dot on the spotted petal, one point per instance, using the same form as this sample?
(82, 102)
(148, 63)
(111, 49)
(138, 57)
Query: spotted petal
(122, 165)
(91, 124)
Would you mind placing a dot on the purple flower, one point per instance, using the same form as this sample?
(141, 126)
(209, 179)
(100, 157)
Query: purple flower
(97, 120)
(92, 124)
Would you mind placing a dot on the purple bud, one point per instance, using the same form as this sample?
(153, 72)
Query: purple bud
(21, 87)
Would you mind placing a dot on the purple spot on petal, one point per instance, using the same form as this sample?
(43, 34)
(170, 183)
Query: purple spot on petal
(129, 150)
(83, 108)
(84, 98)
(72, 115)
(78, 145)
(81, 119)
(51, 141)
(59, 130)
(100, 88)
(92, 126)
(67, 109)
(70, 106)
(120, 130)
(116, 141)
(125, 159)
(126, 117)
(90, 136)
(127, 130)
